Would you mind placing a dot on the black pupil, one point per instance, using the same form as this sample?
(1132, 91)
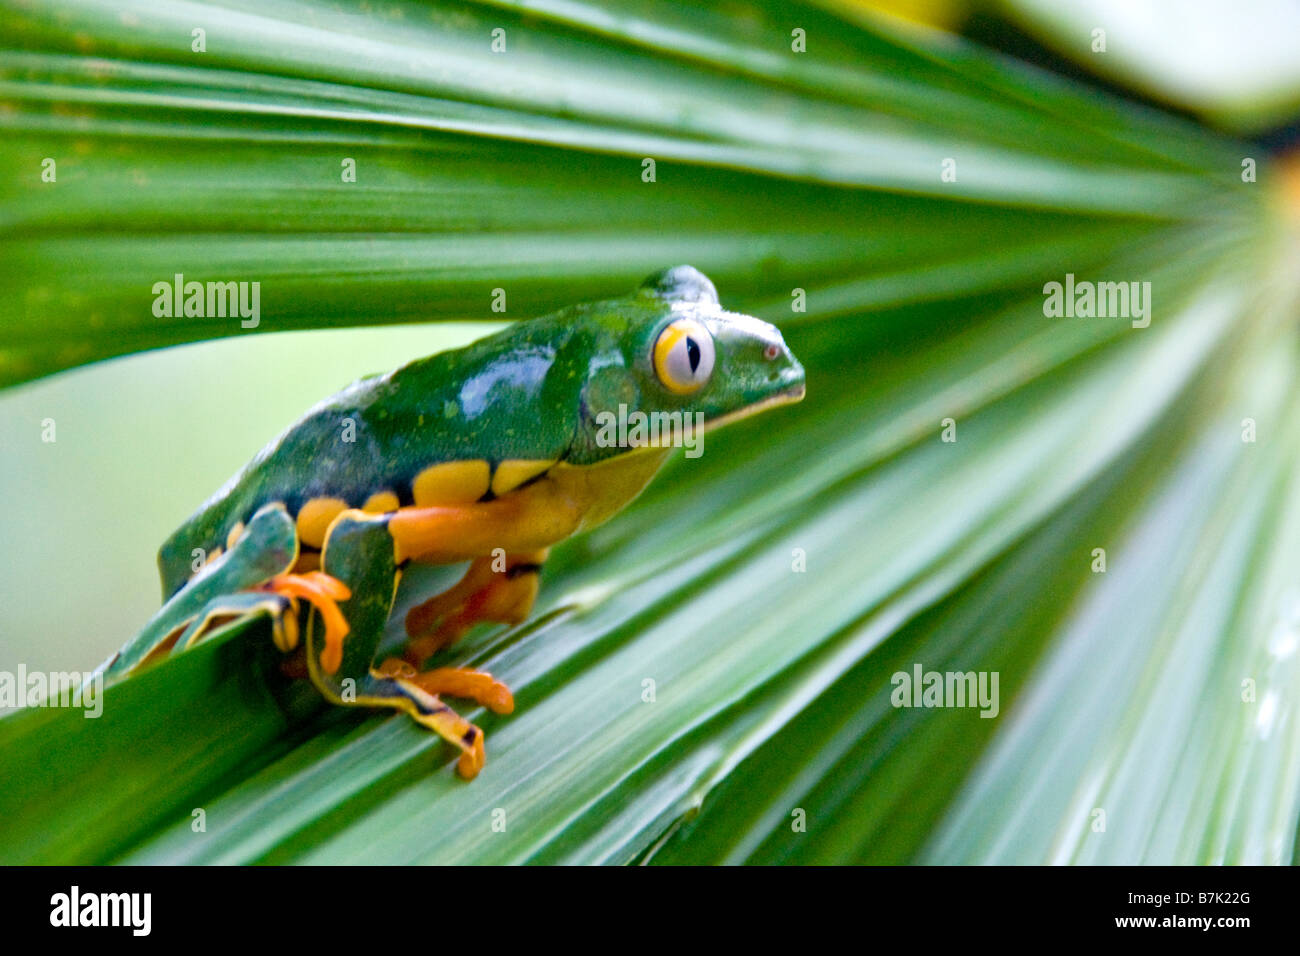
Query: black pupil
(693, 353)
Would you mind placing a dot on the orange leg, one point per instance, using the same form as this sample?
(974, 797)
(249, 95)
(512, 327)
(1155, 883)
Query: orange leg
(431, 712)
(323, 592)
(525, 520)
(500, 590)
(473, 685)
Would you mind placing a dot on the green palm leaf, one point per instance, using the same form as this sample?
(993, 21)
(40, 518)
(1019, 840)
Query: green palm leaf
(686, 693)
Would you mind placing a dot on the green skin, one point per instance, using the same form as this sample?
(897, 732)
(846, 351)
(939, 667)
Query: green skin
(532, 391)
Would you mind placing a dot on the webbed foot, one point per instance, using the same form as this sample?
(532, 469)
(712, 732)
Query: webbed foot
(477, 686)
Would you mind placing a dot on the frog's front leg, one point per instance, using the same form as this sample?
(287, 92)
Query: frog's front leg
(359, 552)
(500, 589)
(252, 578)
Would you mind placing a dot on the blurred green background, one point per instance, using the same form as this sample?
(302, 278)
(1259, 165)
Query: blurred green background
(139, 444)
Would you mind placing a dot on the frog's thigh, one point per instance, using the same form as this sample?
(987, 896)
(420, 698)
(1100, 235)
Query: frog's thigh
(530, 519)
(360, 553)
(500, 590)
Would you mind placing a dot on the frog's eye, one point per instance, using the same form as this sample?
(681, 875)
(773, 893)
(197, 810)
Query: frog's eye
(684, 356)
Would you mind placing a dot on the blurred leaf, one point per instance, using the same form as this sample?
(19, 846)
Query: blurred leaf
(1233, 63)
(478, 170)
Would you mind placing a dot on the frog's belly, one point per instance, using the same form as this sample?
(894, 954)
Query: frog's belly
(552, 506)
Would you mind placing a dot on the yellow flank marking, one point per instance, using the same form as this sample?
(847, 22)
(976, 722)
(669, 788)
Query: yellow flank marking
(380, 503)
(511, 474)
(451, 483)
(314, 519)
(235, 534)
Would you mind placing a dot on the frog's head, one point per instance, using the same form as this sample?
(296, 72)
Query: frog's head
(676, 356)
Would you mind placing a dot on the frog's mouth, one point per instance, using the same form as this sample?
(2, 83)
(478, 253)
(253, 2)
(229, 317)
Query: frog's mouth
(677, 433)
(785, 397)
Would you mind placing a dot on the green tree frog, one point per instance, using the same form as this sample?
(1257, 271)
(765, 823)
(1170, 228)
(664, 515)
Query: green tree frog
(488, 454)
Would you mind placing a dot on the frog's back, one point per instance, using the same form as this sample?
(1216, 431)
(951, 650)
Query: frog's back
(458, 426)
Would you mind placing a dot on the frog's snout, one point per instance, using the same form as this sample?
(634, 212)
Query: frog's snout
(785, 375)
(760, 371)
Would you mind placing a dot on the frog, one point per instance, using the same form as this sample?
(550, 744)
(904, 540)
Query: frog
(490, 455)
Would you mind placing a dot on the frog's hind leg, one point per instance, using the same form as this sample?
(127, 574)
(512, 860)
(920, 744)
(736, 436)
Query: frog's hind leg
(498, 589)
(378, 690)
(359, 552)
(478, 686)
